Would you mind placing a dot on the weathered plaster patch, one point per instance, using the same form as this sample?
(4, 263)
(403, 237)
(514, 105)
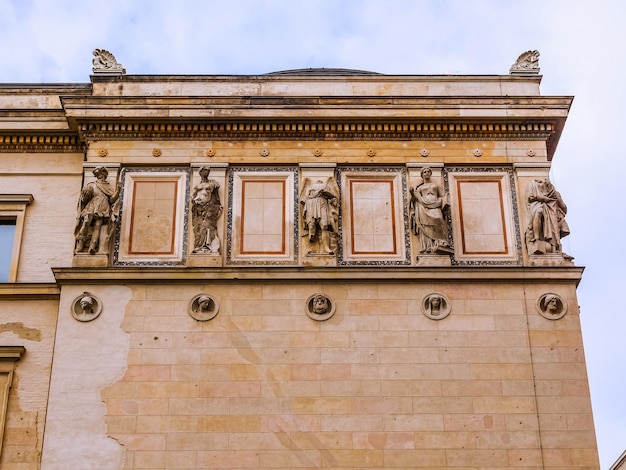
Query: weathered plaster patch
(88, 357)
(21, 331)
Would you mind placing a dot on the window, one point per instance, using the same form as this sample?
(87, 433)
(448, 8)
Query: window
(7, 235)
(12, 210)
(9, 355)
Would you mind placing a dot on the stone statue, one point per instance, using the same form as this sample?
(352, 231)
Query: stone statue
(319, 201)
(205, 210)
(435, 305)
(546, 218)
(320, 304)
(98, 214)
(86, 305)
(526, 63)
(551, 303)
(104, 62)
(204, 304)
(428, 203)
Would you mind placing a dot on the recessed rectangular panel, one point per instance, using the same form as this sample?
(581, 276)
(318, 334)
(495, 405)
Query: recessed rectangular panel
(372, 217)
(263, 217)
(153, 210)
(482, 218)
(152, 226)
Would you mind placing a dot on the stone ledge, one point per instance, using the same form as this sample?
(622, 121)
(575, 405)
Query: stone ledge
(11, 353)
(28, 291)
(180, 275)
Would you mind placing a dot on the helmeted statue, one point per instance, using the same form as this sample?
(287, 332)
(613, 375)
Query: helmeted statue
(98, 214)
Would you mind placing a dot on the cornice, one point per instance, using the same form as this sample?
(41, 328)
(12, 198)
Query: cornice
(182, 275)
(25, 199)
(11, 353)
(29, 291)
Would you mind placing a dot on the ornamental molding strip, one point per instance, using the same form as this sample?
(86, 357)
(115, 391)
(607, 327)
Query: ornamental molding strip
(318, 131)
(43, 143)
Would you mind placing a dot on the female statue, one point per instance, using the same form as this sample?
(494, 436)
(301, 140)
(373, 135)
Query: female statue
(428, 203)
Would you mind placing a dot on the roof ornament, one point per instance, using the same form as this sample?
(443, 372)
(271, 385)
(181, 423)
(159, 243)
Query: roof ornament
(527, 63)
(105, 63)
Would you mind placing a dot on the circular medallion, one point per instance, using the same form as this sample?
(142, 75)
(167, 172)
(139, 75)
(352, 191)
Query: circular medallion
(319, 307)
(86, 307)
(436, 306)
(551, 306)
(203, 307)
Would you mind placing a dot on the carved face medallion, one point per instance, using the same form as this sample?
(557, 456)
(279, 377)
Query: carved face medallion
(319, 307)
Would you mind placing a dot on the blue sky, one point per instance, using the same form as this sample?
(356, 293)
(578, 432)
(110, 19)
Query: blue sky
(582, 54)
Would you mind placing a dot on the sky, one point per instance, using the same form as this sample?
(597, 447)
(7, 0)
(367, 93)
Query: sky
(582, 46)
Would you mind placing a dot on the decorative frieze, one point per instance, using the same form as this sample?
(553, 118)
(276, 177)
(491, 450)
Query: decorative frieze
(320, 131)
(337, 216)
(45, 143)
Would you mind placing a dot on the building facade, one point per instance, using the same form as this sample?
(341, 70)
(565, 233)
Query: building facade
(316, 268)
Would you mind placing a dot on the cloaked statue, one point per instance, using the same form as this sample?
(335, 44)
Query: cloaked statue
(205, 210)
(428, 204)
(320, 211)
(98, 213)
(546, 218)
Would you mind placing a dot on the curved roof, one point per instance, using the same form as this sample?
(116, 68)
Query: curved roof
(323, 72)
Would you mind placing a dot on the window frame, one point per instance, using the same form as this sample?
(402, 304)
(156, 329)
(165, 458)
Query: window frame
(13, 207)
